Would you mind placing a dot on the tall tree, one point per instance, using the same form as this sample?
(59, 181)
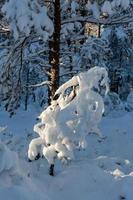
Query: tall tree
(54, 53)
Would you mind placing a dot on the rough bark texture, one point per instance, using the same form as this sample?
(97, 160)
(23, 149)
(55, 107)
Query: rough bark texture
(54, 54)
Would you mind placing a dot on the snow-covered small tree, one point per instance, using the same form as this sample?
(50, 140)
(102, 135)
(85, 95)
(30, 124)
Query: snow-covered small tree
(120, 62)
(94, 51)
(70, 117)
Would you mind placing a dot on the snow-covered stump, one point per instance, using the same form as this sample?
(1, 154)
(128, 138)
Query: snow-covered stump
(8, 159)
(70, 117)
(9, 167)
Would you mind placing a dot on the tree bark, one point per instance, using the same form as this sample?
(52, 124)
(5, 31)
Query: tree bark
(99, 31)
(54, 54)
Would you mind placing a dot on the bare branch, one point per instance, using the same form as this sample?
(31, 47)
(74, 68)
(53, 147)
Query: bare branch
(48, 83)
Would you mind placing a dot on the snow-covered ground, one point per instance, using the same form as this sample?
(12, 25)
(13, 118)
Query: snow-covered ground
(103, 172)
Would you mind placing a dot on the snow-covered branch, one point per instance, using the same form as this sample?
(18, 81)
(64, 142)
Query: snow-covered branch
(123, 19)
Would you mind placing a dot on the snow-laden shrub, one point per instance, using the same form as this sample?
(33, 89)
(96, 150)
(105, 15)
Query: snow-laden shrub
(95, 51)
(70, 117)
(112, 102)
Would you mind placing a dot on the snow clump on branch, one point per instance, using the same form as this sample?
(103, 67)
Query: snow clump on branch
(25, 16)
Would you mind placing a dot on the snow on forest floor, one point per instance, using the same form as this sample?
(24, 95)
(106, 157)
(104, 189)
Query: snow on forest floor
(103, 172)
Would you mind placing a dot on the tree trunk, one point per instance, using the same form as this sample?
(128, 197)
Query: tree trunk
(99, 31)
(27, 90)
(54, 54)
(51, 170)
